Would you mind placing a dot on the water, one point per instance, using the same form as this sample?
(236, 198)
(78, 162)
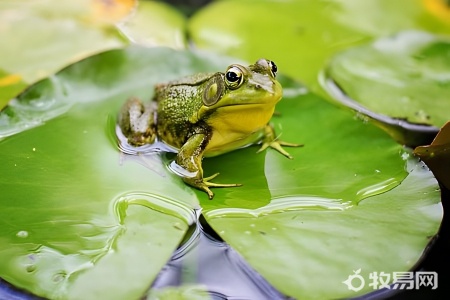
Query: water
(198, 262)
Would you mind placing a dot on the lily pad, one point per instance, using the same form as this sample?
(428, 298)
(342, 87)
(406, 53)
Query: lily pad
(180, 293)
(155, 24)
(79, 219)
(50, 34)
(301, 35)
(404, 80)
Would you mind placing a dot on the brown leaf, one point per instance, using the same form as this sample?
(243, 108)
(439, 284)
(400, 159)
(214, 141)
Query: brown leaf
(437, 155)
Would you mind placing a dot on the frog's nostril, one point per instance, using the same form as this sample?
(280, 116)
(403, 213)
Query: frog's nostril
(258, 86)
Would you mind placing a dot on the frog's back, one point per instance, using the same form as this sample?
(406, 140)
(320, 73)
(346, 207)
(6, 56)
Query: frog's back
(180, 90)
(177, 102)
(191, 80)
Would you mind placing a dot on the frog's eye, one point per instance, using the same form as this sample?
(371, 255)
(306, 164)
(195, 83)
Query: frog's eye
(273, 68)
(234, 77)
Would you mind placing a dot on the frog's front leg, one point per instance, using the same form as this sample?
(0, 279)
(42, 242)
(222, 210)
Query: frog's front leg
(190, 158)
(270, 140)
(137, 121)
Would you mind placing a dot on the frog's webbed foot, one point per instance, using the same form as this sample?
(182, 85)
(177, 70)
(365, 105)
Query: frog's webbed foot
(137, 122)
(190, 159)
(277, 145)
(270, 140)
(205, 184)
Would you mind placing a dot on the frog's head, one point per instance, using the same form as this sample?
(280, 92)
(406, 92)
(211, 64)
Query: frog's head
(252, 86)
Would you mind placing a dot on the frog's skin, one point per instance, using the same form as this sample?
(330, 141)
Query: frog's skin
(208, 114)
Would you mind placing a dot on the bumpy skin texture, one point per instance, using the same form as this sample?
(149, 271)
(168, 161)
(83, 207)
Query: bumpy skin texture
(208, 114)
(177, 102)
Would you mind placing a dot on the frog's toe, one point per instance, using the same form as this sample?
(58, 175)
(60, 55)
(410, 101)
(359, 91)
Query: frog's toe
(289, 144)
(264, 146)
(211, 177)
(206, 181)
(222, 185)
(206, 185)
(208, 191)
(277, 145)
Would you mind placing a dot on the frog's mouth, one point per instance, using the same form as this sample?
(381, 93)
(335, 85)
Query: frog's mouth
(255, 100)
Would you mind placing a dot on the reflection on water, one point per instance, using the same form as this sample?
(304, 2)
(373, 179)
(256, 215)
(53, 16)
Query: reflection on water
(153, 148)
(204, 259)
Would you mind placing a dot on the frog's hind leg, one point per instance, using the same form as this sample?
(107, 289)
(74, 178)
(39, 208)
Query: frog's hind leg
(137, 121)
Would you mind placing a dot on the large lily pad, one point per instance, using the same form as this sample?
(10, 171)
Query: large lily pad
(301, 35)
(42, 36)
(404, 79)
(155, 24)
(79, 219)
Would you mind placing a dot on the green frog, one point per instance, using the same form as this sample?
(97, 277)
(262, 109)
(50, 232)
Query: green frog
(208, 114)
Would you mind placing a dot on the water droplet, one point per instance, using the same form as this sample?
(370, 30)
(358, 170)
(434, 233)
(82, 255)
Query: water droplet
(247, 232)
(377, 188)
(362, 117)
(22, 234)
(34, 149)
(58, 277)
(178, 226)
(30, 268)
(252, 225)
(274, 228)
(377, 171)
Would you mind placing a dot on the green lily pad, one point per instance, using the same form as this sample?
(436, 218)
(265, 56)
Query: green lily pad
(301, 35)
(329, 212)
(180, 293)
(155, 24)
(41, 37)
(405, 78)
(315, 244)
(79, 219)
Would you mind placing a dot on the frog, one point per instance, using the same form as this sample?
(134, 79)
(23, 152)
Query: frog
(208, 114)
